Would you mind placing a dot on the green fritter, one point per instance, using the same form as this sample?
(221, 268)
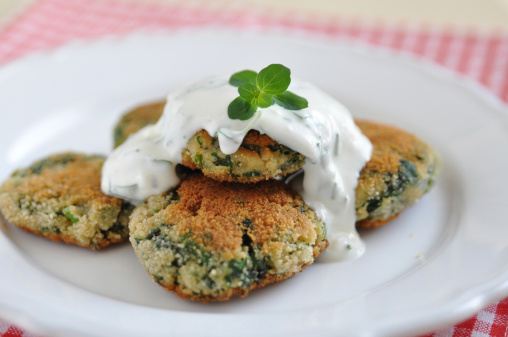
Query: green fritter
(258, 158)
(402, 169)
(209, 240)
(137, 119)
(60, 198)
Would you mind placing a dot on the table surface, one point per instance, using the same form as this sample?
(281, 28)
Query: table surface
(478, 13)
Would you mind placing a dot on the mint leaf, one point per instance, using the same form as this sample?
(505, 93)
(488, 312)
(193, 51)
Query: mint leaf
(274, 79)
(291, 101)
(241, 109)
(264, 100)
(241, 77)
(248, 91)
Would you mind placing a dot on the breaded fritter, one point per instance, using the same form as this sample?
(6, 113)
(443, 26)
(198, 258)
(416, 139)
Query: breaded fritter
(137, 119)
(402, 168)
(258, 158)
(207, 240)
(60, 198)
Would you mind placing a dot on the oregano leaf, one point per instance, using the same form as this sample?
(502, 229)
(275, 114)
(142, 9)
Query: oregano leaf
(290, 101)
(264, 100)
(274, 79)
(262, 91)
(241, 109)
(248, 91)
(241, 77)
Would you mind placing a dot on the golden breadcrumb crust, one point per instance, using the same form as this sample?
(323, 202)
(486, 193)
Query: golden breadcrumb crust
(267, 225)
(402, 168)
(212, 212)
(60, 199)
(238, 291)
(258, 158)
(137, 119)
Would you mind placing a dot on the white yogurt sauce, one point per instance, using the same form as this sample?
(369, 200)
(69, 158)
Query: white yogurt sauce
(324, 133)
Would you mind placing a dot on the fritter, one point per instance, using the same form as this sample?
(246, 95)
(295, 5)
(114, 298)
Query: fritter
(137, 119)
(207, 240)
(258, 158)
(60, 198)
(402, 168)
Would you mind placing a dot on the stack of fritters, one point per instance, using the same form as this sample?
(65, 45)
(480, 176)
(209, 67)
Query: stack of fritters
(229, 227)
(204, 242)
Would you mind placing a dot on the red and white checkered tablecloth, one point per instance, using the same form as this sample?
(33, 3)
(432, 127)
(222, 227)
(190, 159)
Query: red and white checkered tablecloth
(481, 55)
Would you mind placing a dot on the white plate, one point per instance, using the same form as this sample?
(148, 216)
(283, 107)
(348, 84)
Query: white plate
(438, 263)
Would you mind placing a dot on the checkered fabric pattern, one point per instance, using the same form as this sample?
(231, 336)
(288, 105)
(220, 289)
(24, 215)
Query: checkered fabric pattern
(9, 330)
(490, 322)
(480, 55)
(50, 23)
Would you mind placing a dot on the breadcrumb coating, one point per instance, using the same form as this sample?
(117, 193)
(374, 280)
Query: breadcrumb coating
(59, 198)
(258, 158)
(137, 119)
(208, 241)
(401, 170)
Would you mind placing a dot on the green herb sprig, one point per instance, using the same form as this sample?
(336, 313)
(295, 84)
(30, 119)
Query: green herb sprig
(263, 90)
